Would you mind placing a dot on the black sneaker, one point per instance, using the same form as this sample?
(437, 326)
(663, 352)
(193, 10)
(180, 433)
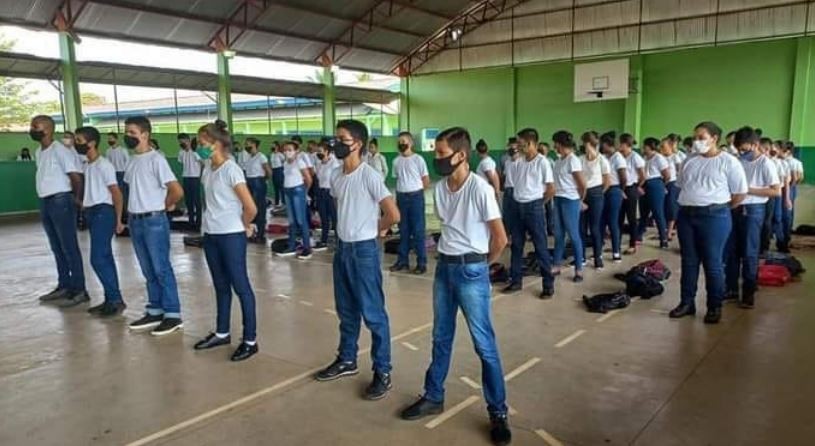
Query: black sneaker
(286, 253)
(320, 247)
(713, 315)
(379, 387)
(244, 352)
(396, 267)
(337, 370)
(512, 288)
(616, 258)
(212, 341)
(146, 322)
(421, 409)
(420, 270)
(112, 309)
(547, 293)
(499, 430)
(74, 299)
(57, 294)
(304, 255)
(167, 326)
(97, 308)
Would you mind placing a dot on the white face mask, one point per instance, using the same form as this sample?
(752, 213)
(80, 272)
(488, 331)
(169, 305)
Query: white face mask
(67, 142)
(701, 146)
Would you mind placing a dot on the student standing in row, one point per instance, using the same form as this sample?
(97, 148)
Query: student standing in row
(782, 203)
(710, 184)
(191, 179)
(376, 159)
(257, 173)
(119, 157)
(657, 175)
(675, 158)
(297, 180)
(613, 203)
(228, 222)
(570, 190)
(597, 173)
(549, 206)
(276, 160)
(59, 188)
(635, 178)
(533, 184)
(741, 253)
(154, 190)
(486, 167)
(103, 212)
(412, 178)
(361, 198)
(472, 236)
(767, 229)
(509, 207)
(326, 167)
(796, 169)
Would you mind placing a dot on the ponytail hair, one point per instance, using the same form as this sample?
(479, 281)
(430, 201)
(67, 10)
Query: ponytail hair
(216, 131)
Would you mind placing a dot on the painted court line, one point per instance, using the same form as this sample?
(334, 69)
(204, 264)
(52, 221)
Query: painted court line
(522, 368)
(570, 338)
(512, 410)
(284, 296)
(450, 413)
(548, 438)
(607, 315)
(655, 310)
(470, 383)
(410, 346)
(411, 332)
(305, 302)
(330, 311)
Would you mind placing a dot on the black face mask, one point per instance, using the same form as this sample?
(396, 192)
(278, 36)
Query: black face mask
(445, 167)
(112, 143)
(247, 148)
(81, 149)
(131, 142)
(512, 151)
(341, 150)
(403, 148)
(321, 156)
(36, 135)
(482, 150)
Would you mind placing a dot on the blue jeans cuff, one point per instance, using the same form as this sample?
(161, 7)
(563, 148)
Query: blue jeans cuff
(155, 312)
(172, 315)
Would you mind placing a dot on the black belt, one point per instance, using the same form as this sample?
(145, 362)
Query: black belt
(705, 209)
(97, 206)
(145, 215)
(56, 195)
(463, 259)
(415, 192)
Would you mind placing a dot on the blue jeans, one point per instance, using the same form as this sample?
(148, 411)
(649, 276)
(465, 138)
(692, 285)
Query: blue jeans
(778, 223)
(788, 216)
(101, 221)
(358, 295)
(509, 209)
(465, 286)
(568, 212)
(226, 258)
(703, 234)
(671, 202)
(411, 227)
(192, 199)
(529, 217)
(743, 245)
(298, 217)
(611, 217)
(629, 214)
(125, 189)
(258, 189)
(277, 183)
(591, 223)
(151, 241)
(328, 212)
(58, 214)
(654, 206)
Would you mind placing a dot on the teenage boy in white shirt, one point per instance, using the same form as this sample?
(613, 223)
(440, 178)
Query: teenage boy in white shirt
(191, 164)
(412, 178)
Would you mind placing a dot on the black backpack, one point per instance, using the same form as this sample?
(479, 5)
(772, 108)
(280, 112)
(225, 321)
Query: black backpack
(498, 273)
(643, 285)
(196, 241)
(280, 245)
(603, 303)
(392, 246)
(787, 261)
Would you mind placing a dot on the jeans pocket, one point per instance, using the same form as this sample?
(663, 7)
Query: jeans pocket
(474, 271)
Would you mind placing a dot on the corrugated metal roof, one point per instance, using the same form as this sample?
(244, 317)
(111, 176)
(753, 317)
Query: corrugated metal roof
(25, 66)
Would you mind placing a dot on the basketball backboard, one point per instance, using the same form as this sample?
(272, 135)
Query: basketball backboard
(601, 81)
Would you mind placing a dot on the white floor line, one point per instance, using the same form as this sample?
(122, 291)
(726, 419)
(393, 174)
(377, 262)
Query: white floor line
(305, 302)
(330, 311)
(410, 346)
(284, 296)
(548, 438)
(570, 338)
(253, 396)
(522, 368)
(512, 410)
(450, 413)
(656, 310)
(607, 315)
(470, 383)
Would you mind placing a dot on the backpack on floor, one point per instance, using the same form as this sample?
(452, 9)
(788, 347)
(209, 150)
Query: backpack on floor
(275, 228)
(196, 241)
(643, 285)
(498, 273)
(603, 303)
(773, 275)
(280, 245)
(392, 246)
(654, 268)
(790, 262)
(804, 230)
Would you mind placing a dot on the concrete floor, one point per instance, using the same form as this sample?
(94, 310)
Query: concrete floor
(575, 378)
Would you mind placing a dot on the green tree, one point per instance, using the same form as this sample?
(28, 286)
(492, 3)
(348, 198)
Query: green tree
(16, 101)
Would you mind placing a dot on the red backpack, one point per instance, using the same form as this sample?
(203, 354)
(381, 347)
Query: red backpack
(773, 275)
(653, 268)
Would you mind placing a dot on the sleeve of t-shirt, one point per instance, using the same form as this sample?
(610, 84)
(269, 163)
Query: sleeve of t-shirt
(302, 164)
(376, 187)
(489, 165)
(163, 172)
(333, 183)
(619, 163)
(736, 178)
(109, 175)
(263, 159)
(68, 161)
(395, 165)
(604, 167)
(235, 176)
(662, 163)
(771, 174)
(423, 167)
(639, 163)
(575, 165)
(487, 204)
(548, 175)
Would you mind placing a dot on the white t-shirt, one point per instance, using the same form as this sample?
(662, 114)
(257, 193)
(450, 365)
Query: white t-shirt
(761, 173)
(565, 185)
(486, 165)
(190, 163)
(378, 162)
(241, 157)
(223, 213)
(306, 158)
(783, 169)
(509, 172)
(794, 165)
(464, 215)
(147, 175)
(633, 162)
(616, 162)
(99, 175)
(594, 170)
(408, 171)
(118, 156)
(325, 171)
(529, 178)
(277, 159)
(292, 172)
(54, 163)
(706, 181)
(254, 166)
(358, 196)
(655, 165)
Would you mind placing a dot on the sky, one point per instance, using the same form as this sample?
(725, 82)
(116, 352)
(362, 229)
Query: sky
(45, 44)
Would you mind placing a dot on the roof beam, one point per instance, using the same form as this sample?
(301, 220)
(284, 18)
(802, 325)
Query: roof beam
(242, 18)
(409, 5)
(66, 16)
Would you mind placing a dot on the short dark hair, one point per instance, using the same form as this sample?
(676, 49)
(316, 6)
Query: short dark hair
(711, 128)
(651, 143)
(608, 138)
(759, 132)
(687, 142)
(529, 135)
(357, 129)
(481, 143)
(298, 139)
(113, 134)
(765, 141)
(254, 141)
(745, 135)
(628, 139)
(68, 132)
(374, 141)
(183, 136)
(44, 118)
(457, 138)
(563, 138)
(590, 137)
(732, 133)
(674, 138)
(89, 133)
(141, 122)
(155, 143)
(789, 146)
